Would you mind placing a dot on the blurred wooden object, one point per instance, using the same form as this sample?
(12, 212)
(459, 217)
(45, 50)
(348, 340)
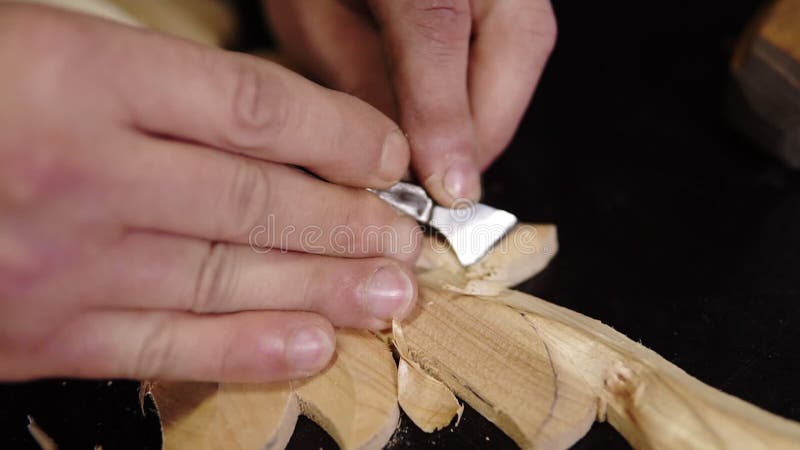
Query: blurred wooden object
(766, 68)
(209, 22)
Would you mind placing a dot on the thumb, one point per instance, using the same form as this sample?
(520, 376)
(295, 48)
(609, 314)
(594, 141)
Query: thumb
(428, 52)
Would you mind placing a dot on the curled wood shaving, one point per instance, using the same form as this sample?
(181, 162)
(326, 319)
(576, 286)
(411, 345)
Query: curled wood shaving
(41, 438)
(427, 401)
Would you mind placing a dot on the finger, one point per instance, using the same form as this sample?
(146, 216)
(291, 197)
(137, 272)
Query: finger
(157, 271)
(243, 347)
(186, 189)
(243, 104)
(512, 41)
(428, 45)
(337, 45)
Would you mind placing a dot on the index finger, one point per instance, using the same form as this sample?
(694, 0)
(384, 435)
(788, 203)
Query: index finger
(240, 103)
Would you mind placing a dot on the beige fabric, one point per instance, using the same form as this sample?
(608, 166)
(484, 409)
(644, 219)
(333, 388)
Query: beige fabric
(210, 22)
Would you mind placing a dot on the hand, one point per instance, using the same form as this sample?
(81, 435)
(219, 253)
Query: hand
(457, 73)
(136, 170)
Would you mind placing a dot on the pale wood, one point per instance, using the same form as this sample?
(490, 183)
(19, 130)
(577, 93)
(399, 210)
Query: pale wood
(354, 399)
(44, 441)
(426, 401)
(493, 359)
(210, 22)
(524, 252)
(230, 416)
(99, 8)
(541, 372)
(782, 26)
(653, 403)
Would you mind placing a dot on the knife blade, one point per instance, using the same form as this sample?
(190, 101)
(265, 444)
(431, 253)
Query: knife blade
(471, 229)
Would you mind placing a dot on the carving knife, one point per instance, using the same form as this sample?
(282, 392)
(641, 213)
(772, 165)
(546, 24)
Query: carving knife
(471, 228)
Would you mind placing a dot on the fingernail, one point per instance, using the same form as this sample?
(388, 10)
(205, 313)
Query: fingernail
(394, 156)
(462, 180)
(308, 350)
(389, 293)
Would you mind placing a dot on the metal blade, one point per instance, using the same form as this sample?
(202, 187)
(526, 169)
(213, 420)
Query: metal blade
(408, 198)
(472, 231)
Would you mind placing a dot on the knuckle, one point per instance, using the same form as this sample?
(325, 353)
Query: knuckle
(366, 136)
(364, 210)
(30, 172)
(45, 46)
(23, 267)
(215, 282)
(313, 291)
(341, 130)
(539, 27)
(361, 226)
(261, 108)
(442, 23)
(228, 364)
(48, 33)
(155, 353)
(410, 242)
(343, 223)
(547, 32)
(248, 197)
(450, 136)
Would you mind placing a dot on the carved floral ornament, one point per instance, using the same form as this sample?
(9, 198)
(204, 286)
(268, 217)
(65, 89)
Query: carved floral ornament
(542, 373)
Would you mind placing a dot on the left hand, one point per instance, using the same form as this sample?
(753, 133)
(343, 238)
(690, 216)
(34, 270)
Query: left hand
(457, 74)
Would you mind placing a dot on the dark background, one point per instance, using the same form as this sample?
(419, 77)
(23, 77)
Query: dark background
(674, 229)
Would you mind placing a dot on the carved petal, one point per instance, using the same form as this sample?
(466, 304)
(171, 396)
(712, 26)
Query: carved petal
(231, 416)
(525, 251)
(427, 401)
(355, 398)
(522, 253)
(493, 358)
(652, 402)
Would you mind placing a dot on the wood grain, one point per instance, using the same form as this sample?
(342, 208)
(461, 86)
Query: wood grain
(355, 399)
(231, 416)
(426, 401)
(539, 371)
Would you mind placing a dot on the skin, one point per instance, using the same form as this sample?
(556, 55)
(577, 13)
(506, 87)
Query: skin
(457, 75)
(143, 180)
(153, 220)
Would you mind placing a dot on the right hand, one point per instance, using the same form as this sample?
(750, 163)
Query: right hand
(136, 169)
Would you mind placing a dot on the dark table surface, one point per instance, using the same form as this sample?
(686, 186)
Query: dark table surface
(673, 228)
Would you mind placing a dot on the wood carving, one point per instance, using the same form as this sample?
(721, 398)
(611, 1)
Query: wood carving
(542, 373)
(355, 399)
(428, 402)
